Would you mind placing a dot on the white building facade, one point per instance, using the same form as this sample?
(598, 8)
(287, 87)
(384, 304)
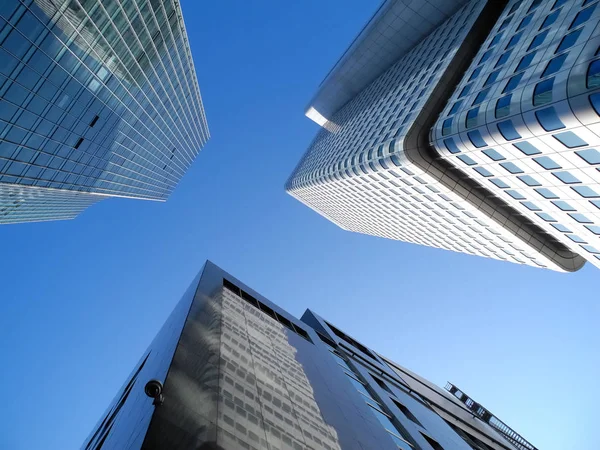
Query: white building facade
(533, 138)
(380, 164)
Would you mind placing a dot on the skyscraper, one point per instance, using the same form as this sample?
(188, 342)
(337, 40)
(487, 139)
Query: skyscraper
(231, 370)
(99, 99)
(408, 109)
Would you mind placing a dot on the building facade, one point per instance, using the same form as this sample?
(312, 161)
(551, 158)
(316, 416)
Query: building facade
(395, 157)
(98, 99)
(239, 372)
(532, 136)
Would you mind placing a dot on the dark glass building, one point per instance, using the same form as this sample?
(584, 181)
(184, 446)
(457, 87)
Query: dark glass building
(238, 372)
(98, 99)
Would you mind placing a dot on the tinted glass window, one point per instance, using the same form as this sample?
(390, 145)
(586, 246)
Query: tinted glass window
(585, 191)
(446, 126)
(507, 129)
(591, 156)
(495, 40)
(595, 101)
(516, 194)
(465, 90)
(525, 61)
(513, 40)
(527, 148)
(513, 83)
(486, 56)
(467, 160)
(538, 40)
(492, 77)
(526, 21)
(511, 167)
(550, 19)
(546, 162)
(475, 73)
(562, 205)
(476, 138)
(559, 3)
(566, 177)
(546, 193)
(531, 206)
(503, 106)
(548, 119)
(472, 117)
(483, 171)
(456, 107)
(498, 182)
(570, 139)
(542, 93)
(583, 16)
(568, 41)
(480, 97)
(529, 180)
(493, 154)
(451, 146)
(505, 56)
(593, 74)
(554, 65)
(580, 218)
(546, 217)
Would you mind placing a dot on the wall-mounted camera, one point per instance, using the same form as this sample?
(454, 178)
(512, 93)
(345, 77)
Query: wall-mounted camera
(153, 389)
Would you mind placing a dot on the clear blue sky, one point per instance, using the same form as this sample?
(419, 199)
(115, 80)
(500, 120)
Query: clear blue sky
(82, 299)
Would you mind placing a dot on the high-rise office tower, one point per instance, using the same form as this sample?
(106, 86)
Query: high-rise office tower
(230, 370)
(465, 125)
(98, 99)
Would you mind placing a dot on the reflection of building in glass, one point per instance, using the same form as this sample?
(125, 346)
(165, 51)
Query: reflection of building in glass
(241, 373)
(99, 99)
(465, 125)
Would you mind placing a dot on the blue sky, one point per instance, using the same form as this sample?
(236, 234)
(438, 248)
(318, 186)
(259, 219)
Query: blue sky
(82, 299)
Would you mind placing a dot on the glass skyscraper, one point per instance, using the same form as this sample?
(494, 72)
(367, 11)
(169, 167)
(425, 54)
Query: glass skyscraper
(238, 372)
(98, 99)
(465, 125)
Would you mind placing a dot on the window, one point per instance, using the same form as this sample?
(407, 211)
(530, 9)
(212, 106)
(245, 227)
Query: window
(542, 93)
(475, 73)
(406, 412)
(570, 139)
(493, 154)
(546, 217)
(455, 107)
(525, 61)
(433, 443)
(563, 206)
(529, 180)
(590, 156)
(537, 41)
(512, 83)
(550, 19)
(446, 126)
(476, 138)
(593, 75)
(480, 97)
(534, 4)
(467, 160)
(560, 227)
(585, 191)
(486, 56)
(93, 122)
(384, 419)
(531, 206)
(580, 218)
(576, 238)
(496, 39)
(503, 106)
(568, 41)
(526, 21)
(590, 249)
(546, 193)
(548, 119)
(465, 90)
(451, 146)
(507, 129)
(472, 117)
(498, 182)
(554, 65)
(593, 228)
(395, 160)
(483, 171)
(504, 25)
(559, 3)
(582, 16)
(511, 167)
(515, 194)
(492, 77)
(546, 162)
(513, 40)
(505, 57)
(527, 148)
